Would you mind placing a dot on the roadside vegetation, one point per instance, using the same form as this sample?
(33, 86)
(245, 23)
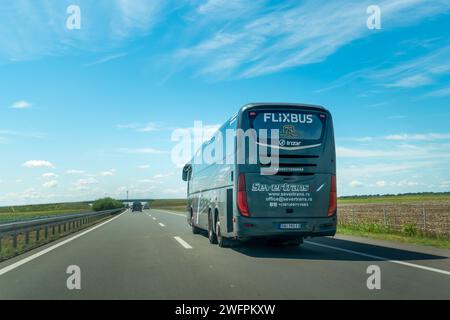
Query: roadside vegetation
(41, 210)
(106, 204)
(408, 234)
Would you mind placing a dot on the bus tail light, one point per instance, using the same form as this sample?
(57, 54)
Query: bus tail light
(242, 196)
(333, 197)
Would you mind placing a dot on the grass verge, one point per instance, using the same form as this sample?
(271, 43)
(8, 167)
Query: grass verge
(7, 250)
(437, 242)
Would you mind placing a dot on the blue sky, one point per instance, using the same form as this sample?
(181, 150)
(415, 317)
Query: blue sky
(88, 113)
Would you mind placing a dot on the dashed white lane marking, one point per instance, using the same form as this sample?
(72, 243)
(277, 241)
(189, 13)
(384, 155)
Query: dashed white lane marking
(413, 265)
(173, 213)
(154, 218)
(183, 243)
(162, 224)
(59, 244)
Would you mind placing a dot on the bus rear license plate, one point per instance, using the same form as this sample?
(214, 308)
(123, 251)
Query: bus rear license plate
(291, 226)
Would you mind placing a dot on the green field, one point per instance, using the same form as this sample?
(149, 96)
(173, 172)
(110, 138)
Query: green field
(35, 211)
(169, 204)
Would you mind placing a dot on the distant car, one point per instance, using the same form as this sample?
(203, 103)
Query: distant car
(137, 206)
(146, 206)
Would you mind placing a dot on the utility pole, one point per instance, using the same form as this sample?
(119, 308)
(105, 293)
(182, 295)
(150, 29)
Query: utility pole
(127, 196)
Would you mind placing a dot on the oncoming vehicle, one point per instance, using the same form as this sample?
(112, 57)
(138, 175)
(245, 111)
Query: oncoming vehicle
(137, 206)
(234, 200)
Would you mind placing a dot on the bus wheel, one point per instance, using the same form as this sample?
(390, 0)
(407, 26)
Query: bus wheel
(222, 241)
(195, 230)
(211, 234)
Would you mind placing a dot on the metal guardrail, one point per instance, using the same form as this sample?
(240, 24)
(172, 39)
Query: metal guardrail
(49, 225)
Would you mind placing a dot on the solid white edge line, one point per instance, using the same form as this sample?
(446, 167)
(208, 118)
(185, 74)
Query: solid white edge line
(59, 244)
(161, 224)
(183, 243)
(413, 265)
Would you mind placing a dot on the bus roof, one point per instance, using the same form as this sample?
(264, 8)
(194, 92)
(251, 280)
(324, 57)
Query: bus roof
(281, 105)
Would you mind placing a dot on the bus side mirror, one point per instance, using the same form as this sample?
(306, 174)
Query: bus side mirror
(186, 172)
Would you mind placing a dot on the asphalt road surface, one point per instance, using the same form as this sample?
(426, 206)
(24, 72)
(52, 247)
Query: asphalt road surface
(154, 255)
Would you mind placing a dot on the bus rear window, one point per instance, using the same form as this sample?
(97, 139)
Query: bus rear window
(295, 125)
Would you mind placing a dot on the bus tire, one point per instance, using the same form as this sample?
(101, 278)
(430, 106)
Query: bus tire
(211, 234)
(222, 241)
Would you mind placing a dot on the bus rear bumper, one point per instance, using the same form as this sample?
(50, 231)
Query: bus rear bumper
(248, 228)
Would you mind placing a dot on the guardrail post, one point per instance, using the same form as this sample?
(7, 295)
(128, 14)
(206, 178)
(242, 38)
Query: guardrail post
(38, 234)
(14, 240)
(27, 237)
(64, 227)
(53, 230)
(46, 233)
(0, 244)
(59, 228)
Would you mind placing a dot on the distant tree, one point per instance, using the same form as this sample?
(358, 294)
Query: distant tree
(106, 204)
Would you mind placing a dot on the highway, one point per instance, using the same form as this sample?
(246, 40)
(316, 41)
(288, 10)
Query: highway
(154, 255)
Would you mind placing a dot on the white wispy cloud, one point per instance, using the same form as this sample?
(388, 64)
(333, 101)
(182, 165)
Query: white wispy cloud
(50, 184)
(443, 92)
(163, 175)
(221, 9)
(414, 81)
(106, 59)
(418, 137)
(356, 184)
(134, 16)
(417, 72)
(75, 171)
(85, 182)
(38, 164)
(293, 34)
(144, 166)
(149, 127)
(22, 104)
(49, 175)
(108, 173)
(430, 136)
(36, 29)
